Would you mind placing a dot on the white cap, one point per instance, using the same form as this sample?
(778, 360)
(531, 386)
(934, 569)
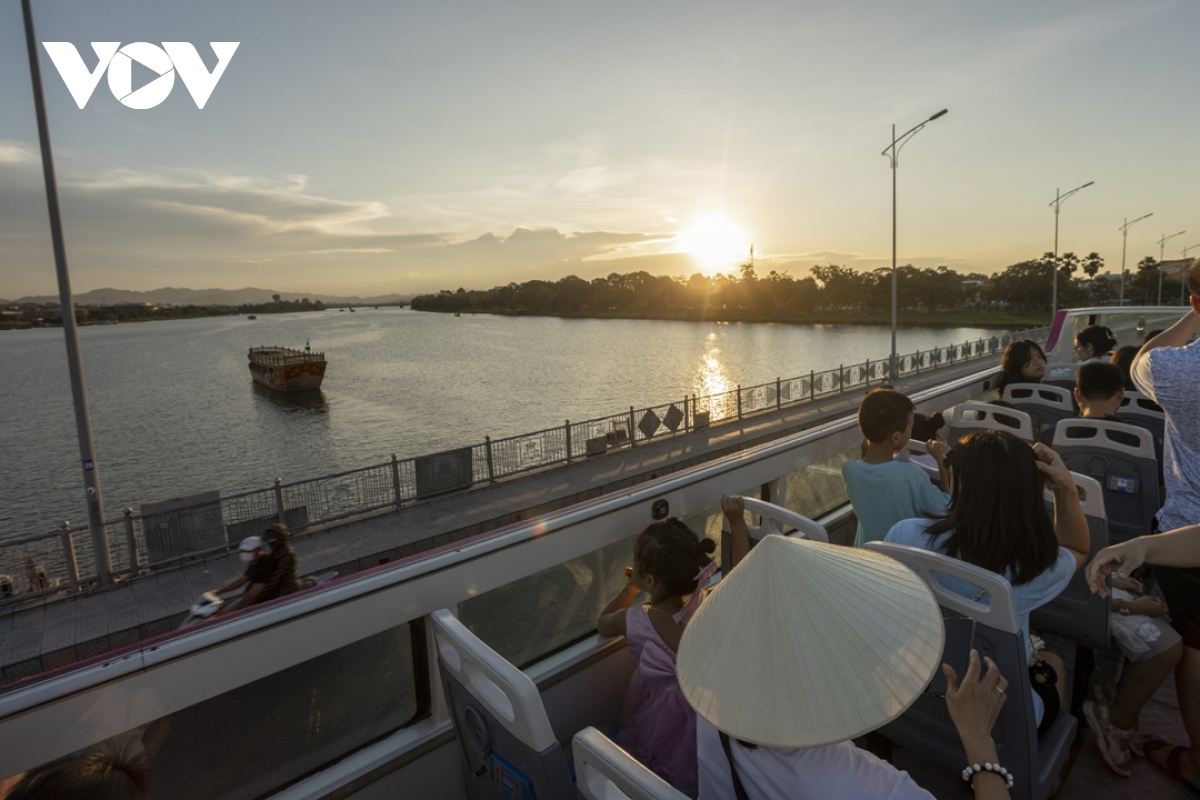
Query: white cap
(807, 644)
(248, 546)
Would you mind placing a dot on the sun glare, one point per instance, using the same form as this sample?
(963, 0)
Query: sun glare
(716, 243)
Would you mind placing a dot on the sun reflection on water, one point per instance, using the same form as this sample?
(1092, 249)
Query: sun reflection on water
(711, 378)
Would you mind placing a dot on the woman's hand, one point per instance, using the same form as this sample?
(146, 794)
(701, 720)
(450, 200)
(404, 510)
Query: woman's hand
(1054, 471)
(733, 507)
(975, 703)
(1148, 606)
(937, 449)
(1131, 585)
(1120, 559)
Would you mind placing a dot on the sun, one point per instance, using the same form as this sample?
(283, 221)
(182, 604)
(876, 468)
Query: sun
(716, 243)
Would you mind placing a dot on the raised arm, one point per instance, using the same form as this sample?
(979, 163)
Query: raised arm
(1069, 522)
(735, 512)
(974, 704)
(612, 619)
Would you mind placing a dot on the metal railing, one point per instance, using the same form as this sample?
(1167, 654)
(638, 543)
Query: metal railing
(62, 560)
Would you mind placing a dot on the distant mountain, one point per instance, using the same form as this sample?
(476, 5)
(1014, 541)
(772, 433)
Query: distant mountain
(207, 297)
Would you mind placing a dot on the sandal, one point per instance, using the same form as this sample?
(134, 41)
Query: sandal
(1113, 742)
(1173, 763)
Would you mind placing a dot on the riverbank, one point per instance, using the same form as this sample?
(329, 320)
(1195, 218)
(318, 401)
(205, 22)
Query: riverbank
(957, 318)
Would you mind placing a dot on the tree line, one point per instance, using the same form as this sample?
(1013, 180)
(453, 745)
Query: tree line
(1023, 287)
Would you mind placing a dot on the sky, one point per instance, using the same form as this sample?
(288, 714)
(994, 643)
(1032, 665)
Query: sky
(392, 147)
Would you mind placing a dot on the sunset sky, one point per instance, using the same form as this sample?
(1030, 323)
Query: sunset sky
(376, 147)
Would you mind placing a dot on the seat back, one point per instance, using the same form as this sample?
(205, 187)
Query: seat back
(1045, 404)
(918, 453)
(604, 771)
(773, 520)
(972, 416)
(1078, 614)
(1137, 409)
(1062, 375)
(992, 629)
(509, 750)
(1121, 458)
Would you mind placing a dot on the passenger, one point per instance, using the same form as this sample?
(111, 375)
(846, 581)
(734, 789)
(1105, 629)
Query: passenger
(927, 427)
(1179, 553)
(1167, 370)
(780, 691)
(1023, 362)
(658, 727)
(284, 579)
(883, 490)
(1123, 358)
(1152, 651)
(997, 520)
(1094, 343)
(259, 568)
(105, 774)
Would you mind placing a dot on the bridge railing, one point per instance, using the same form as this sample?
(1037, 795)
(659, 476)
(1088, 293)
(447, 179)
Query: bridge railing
(63, 560)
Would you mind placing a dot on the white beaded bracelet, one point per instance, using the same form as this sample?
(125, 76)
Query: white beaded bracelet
(972, 770)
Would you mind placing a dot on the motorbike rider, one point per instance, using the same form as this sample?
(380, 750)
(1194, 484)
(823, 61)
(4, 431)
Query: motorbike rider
(259, 569)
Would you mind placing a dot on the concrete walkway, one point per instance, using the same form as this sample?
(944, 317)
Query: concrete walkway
(54, 632)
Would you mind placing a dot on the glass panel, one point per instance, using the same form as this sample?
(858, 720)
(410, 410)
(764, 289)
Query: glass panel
(262, 736)
(818, 488)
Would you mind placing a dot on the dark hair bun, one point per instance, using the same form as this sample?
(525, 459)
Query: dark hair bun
(937, 419)
(707, 546)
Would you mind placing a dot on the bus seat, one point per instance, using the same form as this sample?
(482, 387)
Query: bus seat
(1062, 375)
(1137, 409)
(509, 750)
(604, 771)
(972, 416)
(992, 629)
(918, 453)
(1044, 404)
(1121, 457)
(773, 519)
(1078, 614)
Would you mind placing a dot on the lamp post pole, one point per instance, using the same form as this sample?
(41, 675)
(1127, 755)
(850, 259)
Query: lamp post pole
(83, 423)
(1059, 197)
(1124, 241)
(892, 151)
(1162, 243)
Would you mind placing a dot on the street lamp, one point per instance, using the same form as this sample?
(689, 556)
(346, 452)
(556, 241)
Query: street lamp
(1058, 201)
(892, 151)
(1124, 239)
(1162, 243)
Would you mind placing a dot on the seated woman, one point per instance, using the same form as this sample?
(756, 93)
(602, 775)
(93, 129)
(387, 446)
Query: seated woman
(1094, 343)
(1023, 362)
(780, 692)
(997, 520)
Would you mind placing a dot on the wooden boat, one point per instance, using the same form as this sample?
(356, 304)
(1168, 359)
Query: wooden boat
(285, 369)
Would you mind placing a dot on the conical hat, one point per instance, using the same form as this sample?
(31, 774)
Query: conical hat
(807, 644)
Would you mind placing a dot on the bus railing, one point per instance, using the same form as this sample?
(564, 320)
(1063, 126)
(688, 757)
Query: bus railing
(63, 561)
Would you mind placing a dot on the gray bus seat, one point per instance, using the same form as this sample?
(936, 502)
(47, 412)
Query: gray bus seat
(604, 771)
(1062, 375)
(1045, 404)
(1121, 457)
(1137, 409)
(509, 750)
(926, 728)
(973, 416)
(773, 519)
(1078, 614)
(917, 453)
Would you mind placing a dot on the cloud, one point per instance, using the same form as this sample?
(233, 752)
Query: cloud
(17, 153)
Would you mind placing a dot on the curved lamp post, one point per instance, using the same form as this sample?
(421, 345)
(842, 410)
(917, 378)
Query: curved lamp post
(1059, 197)
(892, 151)
(1162, 243)
(1124, 240)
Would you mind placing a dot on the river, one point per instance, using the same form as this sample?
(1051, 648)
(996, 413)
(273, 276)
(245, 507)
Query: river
(174, 411)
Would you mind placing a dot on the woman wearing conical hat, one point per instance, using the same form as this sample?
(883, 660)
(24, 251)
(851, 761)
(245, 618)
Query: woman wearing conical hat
(804, 646)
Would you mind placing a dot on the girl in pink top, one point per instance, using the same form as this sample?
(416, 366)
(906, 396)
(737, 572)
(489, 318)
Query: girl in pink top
(658, 727)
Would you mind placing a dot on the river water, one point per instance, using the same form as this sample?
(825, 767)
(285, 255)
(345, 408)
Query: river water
(174, 411)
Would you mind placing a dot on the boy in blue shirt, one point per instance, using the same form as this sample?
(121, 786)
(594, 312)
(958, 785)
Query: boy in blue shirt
(882, 490)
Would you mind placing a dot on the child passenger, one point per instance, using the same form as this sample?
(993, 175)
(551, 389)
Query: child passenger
(658, 727)
(884, 491)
